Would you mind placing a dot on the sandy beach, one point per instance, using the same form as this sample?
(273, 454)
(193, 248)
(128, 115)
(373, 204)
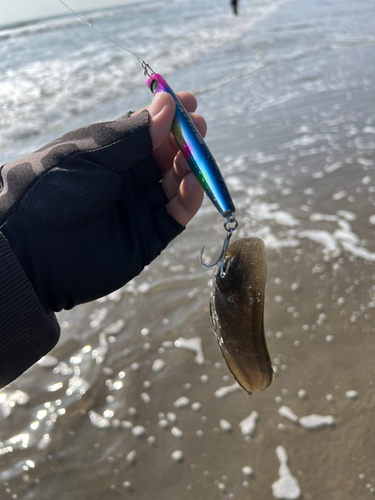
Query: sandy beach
(136, 400)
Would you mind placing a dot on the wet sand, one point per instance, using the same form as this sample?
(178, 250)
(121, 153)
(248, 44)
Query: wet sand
(103, 420)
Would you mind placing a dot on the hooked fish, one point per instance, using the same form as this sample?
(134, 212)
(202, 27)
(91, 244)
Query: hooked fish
(237, 313)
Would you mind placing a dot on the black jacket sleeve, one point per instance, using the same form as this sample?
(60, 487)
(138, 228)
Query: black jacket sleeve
(27, 332)
(78, 219)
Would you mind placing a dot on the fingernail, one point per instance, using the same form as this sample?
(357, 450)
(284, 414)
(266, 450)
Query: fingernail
(158, 104)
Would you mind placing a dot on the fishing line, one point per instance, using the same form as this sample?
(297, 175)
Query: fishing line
(100, 32)
(194, 149)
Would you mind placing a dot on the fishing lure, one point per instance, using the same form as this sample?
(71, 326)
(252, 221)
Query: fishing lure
(194, 149)
(200, 160)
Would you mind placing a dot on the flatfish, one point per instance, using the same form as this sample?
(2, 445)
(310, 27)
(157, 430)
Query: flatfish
(237, 313)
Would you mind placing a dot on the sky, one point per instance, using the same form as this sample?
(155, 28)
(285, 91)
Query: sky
(16, 11)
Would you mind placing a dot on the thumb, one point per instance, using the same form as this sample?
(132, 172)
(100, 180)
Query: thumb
(161, 112)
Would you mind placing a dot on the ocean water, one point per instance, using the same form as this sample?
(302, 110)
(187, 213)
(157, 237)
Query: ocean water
(136, 401)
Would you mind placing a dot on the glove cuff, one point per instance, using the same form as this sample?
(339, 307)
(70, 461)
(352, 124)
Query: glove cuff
(27, 332)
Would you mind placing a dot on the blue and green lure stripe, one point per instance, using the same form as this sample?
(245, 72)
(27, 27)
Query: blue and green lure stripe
(195, 150)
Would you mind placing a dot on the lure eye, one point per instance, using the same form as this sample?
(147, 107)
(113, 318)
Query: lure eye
(154, 86)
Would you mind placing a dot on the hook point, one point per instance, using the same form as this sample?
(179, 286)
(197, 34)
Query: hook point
(230, 220)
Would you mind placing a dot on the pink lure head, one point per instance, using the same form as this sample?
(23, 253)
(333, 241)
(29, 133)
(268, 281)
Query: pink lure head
(156, 83)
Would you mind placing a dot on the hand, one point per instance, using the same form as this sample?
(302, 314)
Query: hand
(87, 212)
(180, 185)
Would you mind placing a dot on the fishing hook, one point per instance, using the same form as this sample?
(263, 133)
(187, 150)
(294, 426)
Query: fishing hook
(230, 230)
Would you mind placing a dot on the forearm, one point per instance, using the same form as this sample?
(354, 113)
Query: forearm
(78, 219)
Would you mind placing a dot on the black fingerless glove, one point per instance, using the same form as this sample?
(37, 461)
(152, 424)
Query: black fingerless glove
(78, 219)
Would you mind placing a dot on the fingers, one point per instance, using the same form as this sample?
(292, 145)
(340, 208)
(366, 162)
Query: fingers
(165, 154)
(200, 123)
(182, 189)
(188, 100)
(187, 201)
(173, 176)
(161, 111)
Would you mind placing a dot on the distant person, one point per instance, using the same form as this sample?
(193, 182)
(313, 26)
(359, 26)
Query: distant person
(234, 6)
(82, 216)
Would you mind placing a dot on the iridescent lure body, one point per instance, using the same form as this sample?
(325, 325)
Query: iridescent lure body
(195, 150)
